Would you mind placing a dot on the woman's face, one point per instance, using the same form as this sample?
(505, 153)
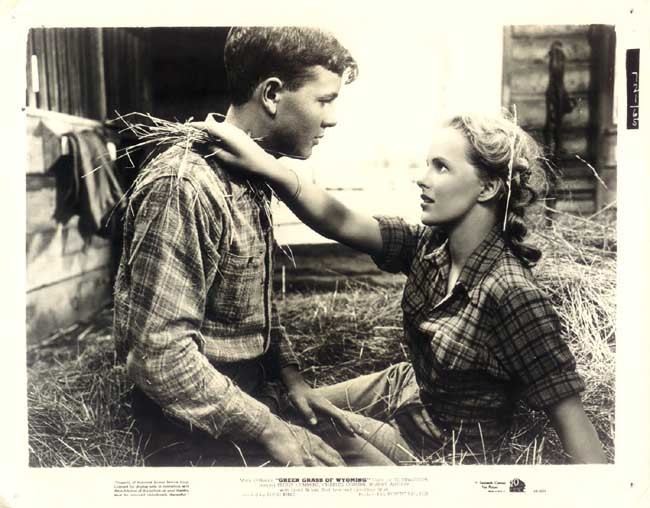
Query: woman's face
(451, 184)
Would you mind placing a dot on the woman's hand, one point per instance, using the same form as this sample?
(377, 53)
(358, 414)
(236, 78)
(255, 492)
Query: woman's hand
(236, 149)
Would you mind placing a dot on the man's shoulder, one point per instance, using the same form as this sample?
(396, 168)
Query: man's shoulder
(188, 168)
(182, 162)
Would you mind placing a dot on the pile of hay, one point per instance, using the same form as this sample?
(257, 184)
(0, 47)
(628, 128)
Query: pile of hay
(77, 395)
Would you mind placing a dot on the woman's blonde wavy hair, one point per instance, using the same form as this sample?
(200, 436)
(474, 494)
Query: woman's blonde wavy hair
(499, 148)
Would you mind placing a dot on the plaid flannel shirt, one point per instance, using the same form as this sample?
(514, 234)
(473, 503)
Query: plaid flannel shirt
(194, 288)
(493, 340)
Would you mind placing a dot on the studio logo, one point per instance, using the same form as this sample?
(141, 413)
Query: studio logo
(516, 485)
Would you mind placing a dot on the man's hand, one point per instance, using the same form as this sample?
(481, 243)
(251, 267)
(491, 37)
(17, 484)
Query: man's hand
(291, 445)
(310, 404)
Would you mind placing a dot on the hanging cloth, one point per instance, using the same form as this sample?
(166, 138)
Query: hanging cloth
(90, 187)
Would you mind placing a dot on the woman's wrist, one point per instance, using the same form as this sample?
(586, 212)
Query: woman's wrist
(284, 180)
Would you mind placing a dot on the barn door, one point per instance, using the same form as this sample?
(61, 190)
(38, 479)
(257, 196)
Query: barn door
(587, 137)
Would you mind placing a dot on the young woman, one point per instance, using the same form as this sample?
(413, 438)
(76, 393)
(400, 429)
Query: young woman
(479, 332)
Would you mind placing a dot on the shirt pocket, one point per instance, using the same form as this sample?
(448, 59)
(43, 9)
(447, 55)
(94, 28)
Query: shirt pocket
(451, 355)
(240, 292)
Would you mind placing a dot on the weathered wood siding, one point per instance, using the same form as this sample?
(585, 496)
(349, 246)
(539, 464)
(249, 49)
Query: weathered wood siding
(70, 71)
(588, 131)
(67, 278)
(84, 75)
(127, 70)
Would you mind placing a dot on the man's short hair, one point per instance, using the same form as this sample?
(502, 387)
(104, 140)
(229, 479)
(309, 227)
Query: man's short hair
(253, 54)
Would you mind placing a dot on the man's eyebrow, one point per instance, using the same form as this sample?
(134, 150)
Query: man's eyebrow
(332, 95)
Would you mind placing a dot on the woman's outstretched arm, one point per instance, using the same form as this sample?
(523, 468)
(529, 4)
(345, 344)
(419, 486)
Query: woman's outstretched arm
(313, 205)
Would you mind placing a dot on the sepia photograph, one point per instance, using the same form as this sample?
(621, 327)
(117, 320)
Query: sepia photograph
(331, 245)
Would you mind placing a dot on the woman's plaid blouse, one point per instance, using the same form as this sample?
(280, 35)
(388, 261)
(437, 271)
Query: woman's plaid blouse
(493, 340)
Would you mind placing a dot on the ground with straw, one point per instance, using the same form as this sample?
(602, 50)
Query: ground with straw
(343, 322)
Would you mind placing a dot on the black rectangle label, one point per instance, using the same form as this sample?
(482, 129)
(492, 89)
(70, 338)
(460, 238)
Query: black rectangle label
(632, 75)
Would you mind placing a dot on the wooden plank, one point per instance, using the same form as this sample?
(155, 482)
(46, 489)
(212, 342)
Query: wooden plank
(63, 120)
(528, 96)
(535, 49)
(576, 146)
(44, 131)
(43, 146)
(62, 62)
(547, 30)
(72, 51)
(608, 195)
(98, 49)
(58, 306)
(52, 57)
(83, 75)
(109, 76)
(584, 184)
(73, 241)
(113, 72)
(58, 254)
(39, 51)
(31, 96)
(121, 64)
(575, 140)
(533, 79)
(586, 206)
(608, 148)
(136, 64)
(532, 115)
(41, 204)
(574, 169)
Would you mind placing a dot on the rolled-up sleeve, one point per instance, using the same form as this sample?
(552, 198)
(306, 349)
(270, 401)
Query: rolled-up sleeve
(172, 259)
(399, 244)
(532, 348)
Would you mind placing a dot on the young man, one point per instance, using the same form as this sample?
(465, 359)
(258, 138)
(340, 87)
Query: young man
(193, 312)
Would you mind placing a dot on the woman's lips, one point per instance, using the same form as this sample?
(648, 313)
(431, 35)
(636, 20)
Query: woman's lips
(425, 201)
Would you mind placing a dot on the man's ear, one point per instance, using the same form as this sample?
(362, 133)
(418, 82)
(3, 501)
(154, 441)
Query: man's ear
(492, 188)
(270, 91)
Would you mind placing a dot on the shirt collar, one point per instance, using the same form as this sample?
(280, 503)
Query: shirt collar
(477, 265)
(437, 246)
(481, 261)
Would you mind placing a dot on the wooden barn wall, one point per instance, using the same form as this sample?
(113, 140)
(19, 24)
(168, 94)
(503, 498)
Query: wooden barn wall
(83, 73)
(67, 278)
(70, 71)
(127, 70)
(589, 130)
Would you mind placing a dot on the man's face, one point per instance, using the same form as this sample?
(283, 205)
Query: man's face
(303, 115)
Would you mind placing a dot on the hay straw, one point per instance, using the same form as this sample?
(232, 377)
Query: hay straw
(77, 407)
(79, 414)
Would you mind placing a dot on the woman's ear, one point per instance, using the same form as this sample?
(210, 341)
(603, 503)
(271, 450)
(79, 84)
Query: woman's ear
(492, 188)
(270, 90)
